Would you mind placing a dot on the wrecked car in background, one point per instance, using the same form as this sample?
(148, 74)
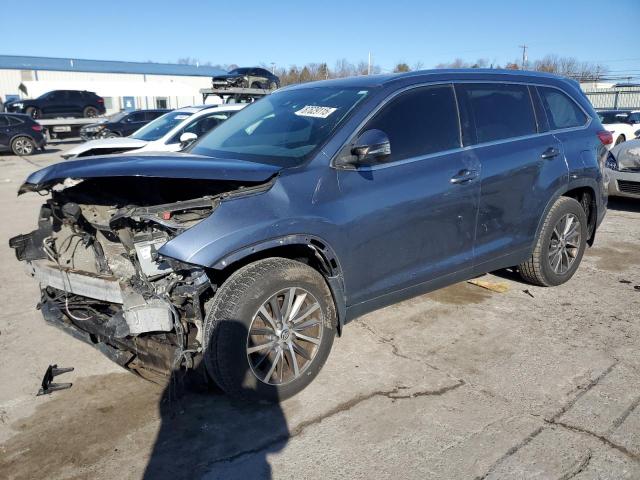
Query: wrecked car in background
(315, 205)
(623, 163)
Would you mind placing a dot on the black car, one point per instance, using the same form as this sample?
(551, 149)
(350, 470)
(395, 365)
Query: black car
(121, 124)
(60, 103)
(20, 134)
(248, 77)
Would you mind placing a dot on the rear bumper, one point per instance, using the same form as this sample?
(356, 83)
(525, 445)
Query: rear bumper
(624, 184)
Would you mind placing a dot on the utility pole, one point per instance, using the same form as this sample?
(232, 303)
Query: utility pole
(524, 54)
(369, 65)
(273, 68)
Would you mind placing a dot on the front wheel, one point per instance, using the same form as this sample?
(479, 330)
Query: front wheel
(34, 112)
(269, 330)
(560, 246)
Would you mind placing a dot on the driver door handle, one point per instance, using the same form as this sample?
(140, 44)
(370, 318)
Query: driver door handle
(550, 153)
(464, 176)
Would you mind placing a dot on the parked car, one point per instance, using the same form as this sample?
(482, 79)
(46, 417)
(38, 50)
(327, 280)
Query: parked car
(121, 124)
(252, 77)
(60, 103)
(20, 134)
(623, 167)
(623, 124)
(164, 134)
(315, 205)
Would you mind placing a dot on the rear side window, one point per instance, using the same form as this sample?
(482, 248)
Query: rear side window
(3, 121)
(14, 121)
(562, 112)
(498, 111)
(419, 122)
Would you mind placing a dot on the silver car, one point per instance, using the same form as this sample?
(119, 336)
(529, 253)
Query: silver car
(623, 167)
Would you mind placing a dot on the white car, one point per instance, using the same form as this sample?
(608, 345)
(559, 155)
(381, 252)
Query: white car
(171, 132)
(623, 168)
(623, 124)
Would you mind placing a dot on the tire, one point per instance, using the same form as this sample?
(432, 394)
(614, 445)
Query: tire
(23, 146)
(541, 268)
(620, 140)
(234, 310)
(34, 112)
(110, 135)
(273, 86)
(90, 112)
(256, 85)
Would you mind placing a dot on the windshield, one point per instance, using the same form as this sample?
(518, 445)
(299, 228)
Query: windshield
(282, 128)
(613, 117)
(239, 71)
(160, 126)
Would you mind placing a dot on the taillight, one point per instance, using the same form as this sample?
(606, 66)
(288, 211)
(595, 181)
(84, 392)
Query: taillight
(36, 128)
(100, 100)
(605, 137)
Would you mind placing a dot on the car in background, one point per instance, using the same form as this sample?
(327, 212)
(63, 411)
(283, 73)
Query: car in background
(623, 167)
(20, 134)
(170, 132)
(623, 124)
(60, 103)
(121, 124)
(247, 77)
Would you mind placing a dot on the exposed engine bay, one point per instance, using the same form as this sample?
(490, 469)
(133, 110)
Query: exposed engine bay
(95, 254)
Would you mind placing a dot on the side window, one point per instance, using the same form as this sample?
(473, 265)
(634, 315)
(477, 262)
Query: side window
(205, 124)
(135, 117)
(634, 117)
(562, 112)
(153, 115)
(421, 121)
(14, 121)
(498, 111)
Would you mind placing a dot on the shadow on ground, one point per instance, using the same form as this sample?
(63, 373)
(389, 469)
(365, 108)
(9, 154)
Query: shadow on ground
(624, 204)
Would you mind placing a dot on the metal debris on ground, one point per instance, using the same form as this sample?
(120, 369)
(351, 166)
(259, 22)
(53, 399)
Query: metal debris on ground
(625, 281)
(499, 287)
(528, 293)
(47, 385)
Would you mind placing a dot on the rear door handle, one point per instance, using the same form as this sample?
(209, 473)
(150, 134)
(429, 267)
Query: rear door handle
(550, 153)
(464, 176)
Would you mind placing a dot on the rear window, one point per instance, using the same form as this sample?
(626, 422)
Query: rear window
(562, 112)
(498, 111)
(419, 122)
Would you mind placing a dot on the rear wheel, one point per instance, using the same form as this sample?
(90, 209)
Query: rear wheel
(269, 329)
(23, 146)
(90, 112)
(34, 112)
(560, 246)
(620, 139)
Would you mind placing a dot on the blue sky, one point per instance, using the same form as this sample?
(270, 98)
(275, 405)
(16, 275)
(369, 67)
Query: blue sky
(297, 32)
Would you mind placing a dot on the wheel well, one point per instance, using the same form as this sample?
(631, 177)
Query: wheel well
(315, 254)
(587, 198)
(303, 253)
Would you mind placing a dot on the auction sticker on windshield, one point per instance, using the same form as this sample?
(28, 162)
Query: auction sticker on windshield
(315, 111)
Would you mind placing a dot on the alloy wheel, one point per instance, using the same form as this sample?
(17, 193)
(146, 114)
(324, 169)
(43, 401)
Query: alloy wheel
(565, 243)
(284, 336)
(23, 146)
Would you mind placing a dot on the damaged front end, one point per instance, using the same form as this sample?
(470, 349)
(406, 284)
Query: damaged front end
(95, 254)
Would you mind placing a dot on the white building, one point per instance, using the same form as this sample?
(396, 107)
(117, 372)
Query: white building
(124, 85)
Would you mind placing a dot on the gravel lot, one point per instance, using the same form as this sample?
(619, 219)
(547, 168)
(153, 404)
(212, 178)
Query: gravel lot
(461, 383)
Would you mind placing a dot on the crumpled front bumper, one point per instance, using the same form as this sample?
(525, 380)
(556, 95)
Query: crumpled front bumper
(624, 184)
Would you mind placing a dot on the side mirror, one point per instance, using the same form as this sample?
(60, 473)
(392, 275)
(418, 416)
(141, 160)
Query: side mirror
(372, 146)
(187, 138)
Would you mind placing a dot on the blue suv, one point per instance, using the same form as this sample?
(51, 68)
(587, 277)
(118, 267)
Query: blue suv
(246, 254)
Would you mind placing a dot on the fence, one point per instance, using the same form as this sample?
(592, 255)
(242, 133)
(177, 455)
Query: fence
(614, 98)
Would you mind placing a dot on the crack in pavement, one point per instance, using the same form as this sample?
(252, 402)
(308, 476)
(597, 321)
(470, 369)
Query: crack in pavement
(524, 442)
(628, 411)
(620, 448)
(582, 391)
(581, 465)
(394, 394)
(388, 341)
